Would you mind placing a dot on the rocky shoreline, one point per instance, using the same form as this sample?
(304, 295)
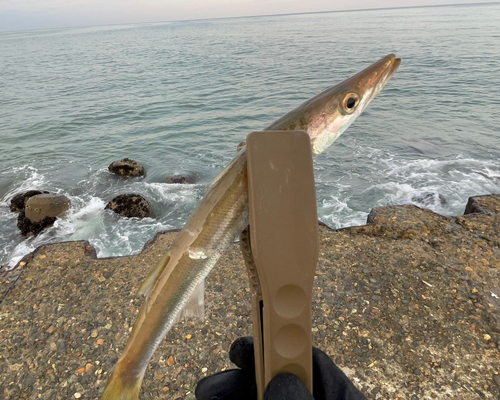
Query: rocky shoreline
(39, 209)
(407, 305)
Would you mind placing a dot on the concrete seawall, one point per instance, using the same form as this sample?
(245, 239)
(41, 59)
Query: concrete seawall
(408, 306)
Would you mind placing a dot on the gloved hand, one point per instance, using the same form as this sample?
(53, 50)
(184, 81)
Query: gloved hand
(329, 382)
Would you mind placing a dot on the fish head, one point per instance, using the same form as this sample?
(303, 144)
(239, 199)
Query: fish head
(326, 116)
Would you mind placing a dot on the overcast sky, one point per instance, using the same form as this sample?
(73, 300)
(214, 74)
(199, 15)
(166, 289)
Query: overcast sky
(36, 14)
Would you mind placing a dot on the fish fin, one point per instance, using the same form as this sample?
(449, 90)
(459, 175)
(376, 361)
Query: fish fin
(118, 389)
(195, 307)
(153, 275)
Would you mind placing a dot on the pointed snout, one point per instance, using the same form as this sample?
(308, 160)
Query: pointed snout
(375, 76)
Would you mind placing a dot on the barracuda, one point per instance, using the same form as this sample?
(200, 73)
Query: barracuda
(220, 218)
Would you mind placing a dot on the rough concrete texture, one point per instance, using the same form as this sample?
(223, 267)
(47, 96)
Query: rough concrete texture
(407, 306)
(488, 204)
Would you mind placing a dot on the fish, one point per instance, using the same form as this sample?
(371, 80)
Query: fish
(220, 218)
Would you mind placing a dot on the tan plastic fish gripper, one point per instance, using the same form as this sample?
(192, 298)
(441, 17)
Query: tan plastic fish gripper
(281, 252)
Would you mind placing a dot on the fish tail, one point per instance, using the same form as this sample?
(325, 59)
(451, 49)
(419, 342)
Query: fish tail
(118, 388)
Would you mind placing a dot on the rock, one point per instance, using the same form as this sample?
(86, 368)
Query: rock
(181, 178)
(30, 228)
(126, 167)
(40, 212)
(488, 204)
(18, 202)
(46, 205)
(129, 205)
(429, 198)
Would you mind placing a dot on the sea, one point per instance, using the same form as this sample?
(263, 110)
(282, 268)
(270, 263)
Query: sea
(179, 97)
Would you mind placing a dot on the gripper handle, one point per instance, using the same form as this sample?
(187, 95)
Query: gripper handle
(284, 246)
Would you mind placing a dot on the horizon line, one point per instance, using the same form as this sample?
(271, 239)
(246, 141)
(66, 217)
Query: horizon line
(261, 16)
(322, 12)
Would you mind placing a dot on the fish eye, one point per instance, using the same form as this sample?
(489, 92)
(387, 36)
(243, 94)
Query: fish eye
(350, 102)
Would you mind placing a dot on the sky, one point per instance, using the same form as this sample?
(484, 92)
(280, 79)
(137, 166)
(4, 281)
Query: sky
(40, 14)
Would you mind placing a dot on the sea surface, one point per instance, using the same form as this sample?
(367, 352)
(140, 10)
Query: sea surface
(180, 96)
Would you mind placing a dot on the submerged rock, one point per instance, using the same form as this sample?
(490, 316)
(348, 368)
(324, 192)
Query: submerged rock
(181, 178)
(46, 205)
(126, 167)
(429, 198)
(129, 205)
(18, 202)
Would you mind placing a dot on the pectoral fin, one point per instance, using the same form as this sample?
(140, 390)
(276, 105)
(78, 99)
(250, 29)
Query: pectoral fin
(195, 307)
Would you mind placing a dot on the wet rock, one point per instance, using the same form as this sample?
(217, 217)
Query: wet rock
(129, 205)
(427, 199)
(489, 204)
(40, 211)
(18, 202)
(31, 228)
(46, 205)
(181, 178)
(126, 167)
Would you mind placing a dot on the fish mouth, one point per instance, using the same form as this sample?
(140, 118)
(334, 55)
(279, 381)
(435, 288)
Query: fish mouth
(328, 114)
(334, 110)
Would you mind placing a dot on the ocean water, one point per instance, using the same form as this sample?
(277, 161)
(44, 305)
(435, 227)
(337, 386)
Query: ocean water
(180, 96)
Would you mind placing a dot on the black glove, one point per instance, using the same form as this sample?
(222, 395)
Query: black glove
(329, 382)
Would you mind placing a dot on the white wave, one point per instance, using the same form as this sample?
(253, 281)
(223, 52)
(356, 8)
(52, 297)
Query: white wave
(440, 185)
(87, 219)
(336, 213)
(83, 219)
(27, 178)
(174, 192)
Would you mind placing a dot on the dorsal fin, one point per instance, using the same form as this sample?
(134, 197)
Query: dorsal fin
(147, 285)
